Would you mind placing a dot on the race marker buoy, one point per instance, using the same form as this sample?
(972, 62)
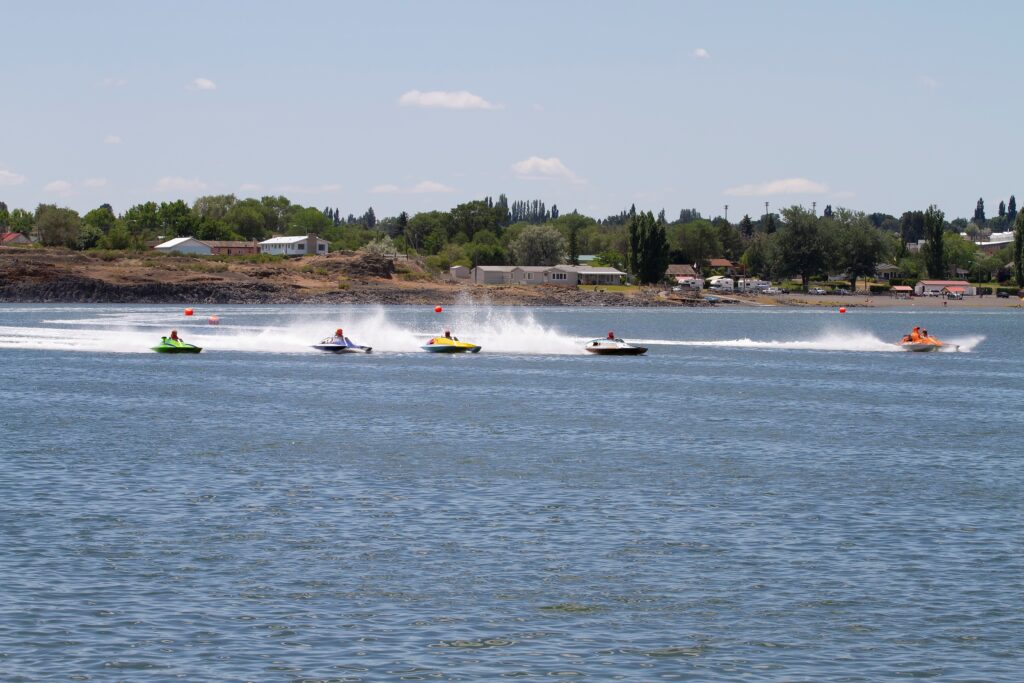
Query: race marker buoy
(188, 311)
(437, 309)
(842, 309)
(213, 320)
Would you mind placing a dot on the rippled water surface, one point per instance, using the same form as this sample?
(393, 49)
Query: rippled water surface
(767, 495)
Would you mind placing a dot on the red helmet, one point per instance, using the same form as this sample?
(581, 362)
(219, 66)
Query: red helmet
(338, 332)
(611, 335)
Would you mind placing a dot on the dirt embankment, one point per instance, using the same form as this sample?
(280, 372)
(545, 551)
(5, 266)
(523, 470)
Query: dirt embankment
(35, 275)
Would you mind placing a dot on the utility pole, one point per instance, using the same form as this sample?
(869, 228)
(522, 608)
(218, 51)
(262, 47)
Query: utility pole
(726, 213)
(814, 208)
(766, 209)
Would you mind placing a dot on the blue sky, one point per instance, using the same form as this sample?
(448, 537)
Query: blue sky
(881, 106)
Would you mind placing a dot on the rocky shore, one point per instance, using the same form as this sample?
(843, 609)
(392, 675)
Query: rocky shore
(35, 275)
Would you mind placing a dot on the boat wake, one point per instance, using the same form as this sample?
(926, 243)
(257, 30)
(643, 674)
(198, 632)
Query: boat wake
(831, 341)
(495, 331)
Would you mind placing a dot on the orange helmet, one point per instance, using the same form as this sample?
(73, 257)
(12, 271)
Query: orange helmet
(338, 332)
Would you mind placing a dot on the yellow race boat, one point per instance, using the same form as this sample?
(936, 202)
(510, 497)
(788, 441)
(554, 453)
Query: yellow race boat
(449, 344)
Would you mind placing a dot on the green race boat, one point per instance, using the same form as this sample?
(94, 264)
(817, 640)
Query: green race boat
(168, 345)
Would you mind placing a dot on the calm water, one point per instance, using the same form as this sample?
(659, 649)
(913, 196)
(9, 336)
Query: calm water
(768, 495)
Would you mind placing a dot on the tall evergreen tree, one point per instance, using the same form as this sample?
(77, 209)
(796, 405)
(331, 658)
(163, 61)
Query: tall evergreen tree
(934, 256)
(979, 212)
(369, 218)
(1002, 209)
(746, 226)
(554, 211)
(828, 211)
(649, 253)
(1011, 209)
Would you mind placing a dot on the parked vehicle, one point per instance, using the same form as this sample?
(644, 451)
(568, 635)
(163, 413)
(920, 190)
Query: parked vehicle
(841, 291)
(773, 291)
(1002, 295)
(816, 290)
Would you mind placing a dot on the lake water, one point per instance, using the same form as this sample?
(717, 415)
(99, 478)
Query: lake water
(769, 494)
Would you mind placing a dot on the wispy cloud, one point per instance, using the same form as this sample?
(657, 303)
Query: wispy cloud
(178, 184)
(929, 82)
(10, 178)
(539, 168)
(202, 84)
(61, 188)
(112, 140)
(310, 189)
(113, 82)
(778, 187)
(430, 187)
(385, 189)
(94, 182)
(701, 53)
(443, 99)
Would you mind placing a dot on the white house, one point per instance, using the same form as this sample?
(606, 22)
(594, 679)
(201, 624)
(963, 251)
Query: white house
(567, 276)
(529, 275)
(295, 246)
(184, 245)
(937, 286)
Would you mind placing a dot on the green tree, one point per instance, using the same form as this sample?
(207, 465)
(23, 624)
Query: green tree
(934, 254)
(649, 251)
(370, 218)
(278, 210)
(860, 245)
(58, 227)
(5, 215)
(538, 245)
(101, 218)
(1002, 209)
(1011, 209)
(248, 220)
(760, 257)
(428, 223)
(119, 237)
(799, 245)
(177, 219)
(308, 221)
(214, 206)
(746, 227)
(473, 216)
(210, 229)
(21, 221)
(696, 242)
(979, 212)
(143, 219)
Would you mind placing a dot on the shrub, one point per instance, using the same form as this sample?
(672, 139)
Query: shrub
(878, 288)
(984, 290)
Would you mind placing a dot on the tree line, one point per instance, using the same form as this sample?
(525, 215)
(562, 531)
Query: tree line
(794, 243)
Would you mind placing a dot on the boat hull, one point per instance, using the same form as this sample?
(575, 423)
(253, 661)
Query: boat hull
(917, 347)
(189, 348)
(623, 351)
(336, 348)
(442, 348)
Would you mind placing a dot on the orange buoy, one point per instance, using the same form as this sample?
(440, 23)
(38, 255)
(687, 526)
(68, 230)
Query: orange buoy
(188, 311)
(437, 309)
(842, 309)
(213, 320)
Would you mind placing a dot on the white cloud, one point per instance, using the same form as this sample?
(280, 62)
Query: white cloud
(61, 188)
(309, 189)
(113, 82)
(456, 99)
(539, 168)
(95, 182)
(701, 53)
(385, 189)
(177, 184)
(430, 187)
(203, 84)
(777, 187)
(10, 178)
(112, 140)
(249, 187)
